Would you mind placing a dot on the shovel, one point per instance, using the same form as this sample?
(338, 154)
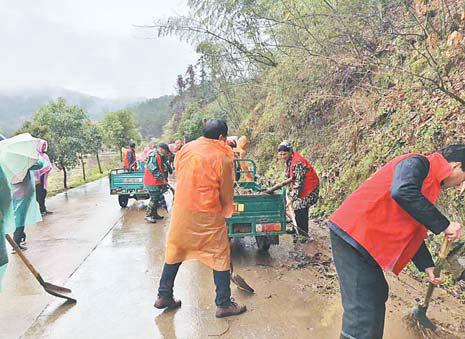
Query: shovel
(57, 291)
(419, 312)
(278, 186)
(239, 281)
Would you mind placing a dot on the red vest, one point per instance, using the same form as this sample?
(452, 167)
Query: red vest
(149, 178)
(372, 218)
(311, 178)
(126, 152)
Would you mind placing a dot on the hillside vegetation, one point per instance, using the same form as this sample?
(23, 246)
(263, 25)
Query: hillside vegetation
(352, 83)
(152, 115)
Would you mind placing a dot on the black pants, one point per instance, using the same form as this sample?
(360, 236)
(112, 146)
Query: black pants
(301, 218)
(41, 194)
(364, 291)
(221, 279)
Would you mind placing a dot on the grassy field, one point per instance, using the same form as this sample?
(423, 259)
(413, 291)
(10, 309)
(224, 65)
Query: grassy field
(75, 179)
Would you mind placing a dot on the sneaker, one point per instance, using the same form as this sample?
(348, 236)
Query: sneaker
(227, 311)
(48, 212)
(150, 219)
(166, 302)
(21, 247)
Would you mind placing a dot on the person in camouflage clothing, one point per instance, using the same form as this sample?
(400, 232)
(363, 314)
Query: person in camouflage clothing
(155, 180)
(304, 190)
(167, 160)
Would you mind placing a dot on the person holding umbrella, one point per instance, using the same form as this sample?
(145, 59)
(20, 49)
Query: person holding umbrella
(18, 156)
(24, 198)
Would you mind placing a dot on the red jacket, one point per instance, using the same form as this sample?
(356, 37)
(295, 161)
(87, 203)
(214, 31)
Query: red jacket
(374, 219)
(149, 178)
(311, 178)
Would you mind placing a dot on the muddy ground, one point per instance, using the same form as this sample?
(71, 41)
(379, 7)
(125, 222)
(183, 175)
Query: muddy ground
(112, 261)
(447, 308)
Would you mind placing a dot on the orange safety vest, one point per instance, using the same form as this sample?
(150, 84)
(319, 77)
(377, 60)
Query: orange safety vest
(126, 152)
(374, 219)
(149, 178)
(311, 180)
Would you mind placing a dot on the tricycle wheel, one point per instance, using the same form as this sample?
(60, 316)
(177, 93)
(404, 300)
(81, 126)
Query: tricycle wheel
(263, 243)
(123, 200)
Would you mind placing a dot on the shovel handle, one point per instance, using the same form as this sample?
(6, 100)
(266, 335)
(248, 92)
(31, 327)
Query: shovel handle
(445, 248)
(24, 259)
(444, 251)
(278, 186)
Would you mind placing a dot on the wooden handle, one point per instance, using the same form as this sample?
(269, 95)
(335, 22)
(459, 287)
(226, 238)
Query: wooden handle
(428, 295)
(24, 259)
(278, 186)
(444, 251)
(445, 248)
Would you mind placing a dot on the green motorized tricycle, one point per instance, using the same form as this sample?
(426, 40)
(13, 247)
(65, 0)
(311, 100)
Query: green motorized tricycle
(127, 184)
(255, 214)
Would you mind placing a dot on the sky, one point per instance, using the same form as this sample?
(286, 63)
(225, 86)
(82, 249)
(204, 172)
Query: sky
(90, 46)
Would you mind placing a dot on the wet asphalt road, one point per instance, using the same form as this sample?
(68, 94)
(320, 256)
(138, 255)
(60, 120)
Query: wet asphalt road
(112, 261)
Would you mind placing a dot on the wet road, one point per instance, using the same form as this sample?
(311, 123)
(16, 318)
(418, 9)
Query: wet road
(112, 261)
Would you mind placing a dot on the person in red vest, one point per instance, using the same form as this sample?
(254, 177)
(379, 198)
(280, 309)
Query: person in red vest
(129, 158)
(382, 226)
(304, 191)
(155, 180)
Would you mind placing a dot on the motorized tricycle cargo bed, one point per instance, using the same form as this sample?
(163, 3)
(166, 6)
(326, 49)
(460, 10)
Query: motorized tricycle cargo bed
(262, 216)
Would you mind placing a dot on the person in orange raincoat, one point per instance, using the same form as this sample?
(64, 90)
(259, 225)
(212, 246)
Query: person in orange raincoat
(203, 201)
(241, 151)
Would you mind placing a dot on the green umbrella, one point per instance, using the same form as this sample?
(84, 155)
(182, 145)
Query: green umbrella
(17, 155)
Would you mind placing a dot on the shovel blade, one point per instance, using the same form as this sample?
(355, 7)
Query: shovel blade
(240, 282)
(58, 291)
(419, 314)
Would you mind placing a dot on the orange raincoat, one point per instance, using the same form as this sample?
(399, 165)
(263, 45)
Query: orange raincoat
(203, 201)
(243, 144)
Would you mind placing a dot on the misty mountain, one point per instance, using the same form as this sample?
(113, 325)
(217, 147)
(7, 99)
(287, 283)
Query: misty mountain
(19, 106)
(152, 115)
